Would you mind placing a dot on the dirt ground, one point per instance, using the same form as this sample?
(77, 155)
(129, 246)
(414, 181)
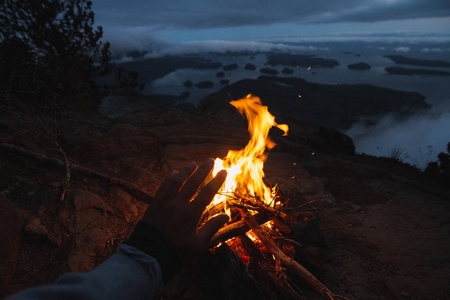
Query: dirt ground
(381, 229)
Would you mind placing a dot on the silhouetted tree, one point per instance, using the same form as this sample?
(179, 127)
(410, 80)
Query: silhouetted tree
(440, 170)
(50, 46)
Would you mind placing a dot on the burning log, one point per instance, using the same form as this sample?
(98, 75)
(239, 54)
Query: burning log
(236, 229)
(268, 269)
(287, 262)
(253, 222)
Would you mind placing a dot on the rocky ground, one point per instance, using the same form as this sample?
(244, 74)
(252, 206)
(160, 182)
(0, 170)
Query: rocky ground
(381, 231)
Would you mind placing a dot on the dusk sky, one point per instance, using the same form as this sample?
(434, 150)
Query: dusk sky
(137, 23)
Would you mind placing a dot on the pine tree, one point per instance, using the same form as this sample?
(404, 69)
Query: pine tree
(50, 46)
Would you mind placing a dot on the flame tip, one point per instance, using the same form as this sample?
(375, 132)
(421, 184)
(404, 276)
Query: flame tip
(245, 166)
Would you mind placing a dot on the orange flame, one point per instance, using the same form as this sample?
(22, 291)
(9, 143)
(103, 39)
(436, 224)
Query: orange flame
(245, 166)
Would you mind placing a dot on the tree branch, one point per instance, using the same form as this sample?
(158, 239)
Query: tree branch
(134, 190)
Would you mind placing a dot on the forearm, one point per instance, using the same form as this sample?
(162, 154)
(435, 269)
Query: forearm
(128, 274)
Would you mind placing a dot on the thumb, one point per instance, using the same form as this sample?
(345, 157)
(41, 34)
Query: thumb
(207, 231)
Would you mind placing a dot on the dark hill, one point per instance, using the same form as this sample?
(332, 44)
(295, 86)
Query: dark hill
(334, 106)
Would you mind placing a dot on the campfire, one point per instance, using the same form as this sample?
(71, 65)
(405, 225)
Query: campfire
(259, 216)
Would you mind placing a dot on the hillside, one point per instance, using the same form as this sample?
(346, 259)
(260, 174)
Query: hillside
(380, 231)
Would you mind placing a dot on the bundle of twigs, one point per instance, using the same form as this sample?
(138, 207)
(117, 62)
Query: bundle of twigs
(261, 251)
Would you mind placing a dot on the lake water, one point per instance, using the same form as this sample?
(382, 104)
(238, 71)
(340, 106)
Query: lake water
(416, 140)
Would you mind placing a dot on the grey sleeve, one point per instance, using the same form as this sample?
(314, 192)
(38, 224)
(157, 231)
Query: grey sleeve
(128, 274)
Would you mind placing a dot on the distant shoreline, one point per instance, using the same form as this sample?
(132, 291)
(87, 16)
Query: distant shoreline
(407, 71)
(403, 60)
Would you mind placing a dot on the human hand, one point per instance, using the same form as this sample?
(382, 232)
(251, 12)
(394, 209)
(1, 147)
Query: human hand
(174, 214)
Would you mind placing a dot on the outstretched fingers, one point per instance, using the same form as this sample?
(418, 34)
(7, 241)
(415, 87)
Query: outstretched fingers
(206, 195)
(164, 187)
(178, 181)
(196, 180)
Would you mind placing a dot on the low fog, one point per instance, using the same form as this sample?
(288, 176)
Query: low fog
(416, 140)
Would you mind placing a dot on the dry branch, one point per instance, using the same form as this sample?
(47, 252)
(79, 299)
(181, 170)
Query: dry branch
(255, 205)
(134, 190)
(287, 262)
(262, 267)
(236, 229)
(66, 183)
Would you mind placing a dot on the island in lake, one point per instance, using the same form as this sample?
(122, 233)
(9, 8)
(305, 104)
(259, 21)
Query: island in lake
(403, 60)
(407, 71)
(230, 67)
(359, 66)
(249, 66)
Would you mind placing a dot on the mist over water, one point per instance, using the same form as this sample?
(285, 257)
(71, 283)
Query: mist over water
(416, 140)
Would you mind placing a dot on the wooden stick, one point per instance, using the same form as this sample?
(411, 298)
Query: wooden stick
(236, 229)
(254, 205)
(66, 183)
(287, 262)
(262, 267)
(134, 190)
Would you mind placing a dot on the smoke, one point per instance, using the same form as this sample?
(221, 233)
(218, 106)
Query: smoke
(417, 140)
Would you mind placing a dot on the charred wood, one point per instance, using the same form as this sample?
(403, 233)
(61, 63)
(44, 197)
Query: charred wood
(266, 271)
(236, 229)
(286, 261)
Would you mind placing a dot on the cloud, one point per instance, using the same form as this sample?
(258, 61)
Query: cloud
(146, 39)
(435, 50)
(141, 38)
(178, 14)
(218, 46)
(371, 38)
(402, 49)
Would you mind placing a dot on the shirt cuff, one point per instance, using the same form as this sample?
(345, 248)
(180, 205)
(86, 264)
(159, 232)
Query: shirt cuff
(153, 242)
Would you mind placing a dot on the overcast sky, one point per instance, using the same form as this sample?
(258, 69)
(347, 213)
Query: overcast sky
(160, 21)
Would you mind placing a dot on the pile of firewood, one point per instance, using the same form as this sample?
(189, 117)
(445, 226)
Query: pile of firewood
(258, 234)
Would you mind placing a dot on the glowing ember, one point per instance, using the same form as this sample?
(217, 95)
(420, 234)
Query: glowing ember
(251, 235)
(245, 166)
